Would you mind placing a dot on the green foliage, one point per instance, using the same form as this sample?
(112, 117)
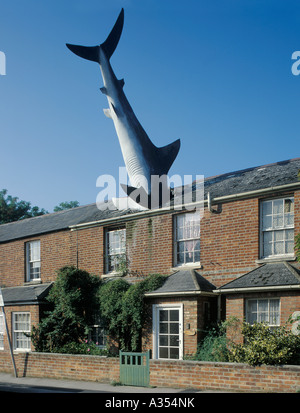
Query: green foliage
(75, 301)
(77, 296)
(123, 309)
(265, 345)
(84, 347)
(66, 205)
(111, 303)
(11, 209)
(214, 345)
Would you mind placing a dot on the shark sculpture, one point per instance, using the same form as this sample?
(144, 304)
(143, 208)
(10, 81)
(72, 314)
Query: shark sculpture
(142, 158)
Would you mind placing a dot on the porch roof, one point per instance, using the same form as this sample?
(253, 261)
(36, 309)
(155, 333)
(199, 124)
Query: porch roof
(29, 294)
(276, 275)
(183, 282)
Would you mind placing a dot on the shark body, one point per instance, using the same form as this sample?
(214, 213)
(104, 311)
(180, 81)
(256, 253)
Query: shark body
(142, 158)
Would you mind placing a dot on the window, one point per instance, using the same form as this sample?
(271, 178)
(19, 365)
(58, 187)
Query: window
(21, 329)
(187, 238)
(263, 310)
(115, 249)
(97, 333)
(1, 330)
(277, 227)
(33, 261)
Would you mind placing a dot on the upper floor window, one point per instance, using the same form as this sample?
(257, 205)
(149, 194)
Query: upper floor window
(115, 249)
(187, 238)
(277, 227)
(33, 261)
(263, 311)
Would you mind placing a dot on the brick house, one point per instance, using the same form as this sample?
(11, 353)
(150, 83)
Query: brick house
(237, 259)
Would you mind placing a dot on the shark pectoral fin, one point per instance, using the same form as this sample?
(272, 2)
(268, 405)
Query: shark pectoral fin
(107, 113)
(117, 112)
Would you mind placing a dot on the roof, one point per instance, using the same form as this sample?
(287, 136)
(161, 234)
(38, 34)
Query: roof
(56, 221)
(29, 294)
(184, 282)
(243, 181)
(276, 274)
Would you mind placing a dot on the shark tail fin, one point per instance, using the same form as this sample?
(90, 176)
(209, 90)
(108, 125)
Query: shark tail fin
(167, 155)
(109, 46)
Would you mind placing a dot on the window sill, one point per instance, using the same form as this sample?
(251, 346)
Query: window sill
(112, 274)
(194, 266)
(33, 282)
(276, 259)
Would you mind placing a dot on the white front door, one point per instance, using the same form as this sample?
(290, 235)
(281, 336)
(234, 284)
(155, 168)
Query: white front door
(167, 332)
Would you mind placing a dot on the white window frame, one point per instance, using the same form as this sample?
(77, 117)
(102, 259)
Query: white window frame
(18, 334)
(33, 261)
(259, 313)
(178, 239)
(269, 227)
(2, 330)
(121, 254)
(155, 328)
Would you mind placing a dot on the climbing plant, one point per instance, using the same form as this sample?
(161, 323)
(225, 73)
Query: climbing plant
(77, 297)
(74, 301)
(124, 312)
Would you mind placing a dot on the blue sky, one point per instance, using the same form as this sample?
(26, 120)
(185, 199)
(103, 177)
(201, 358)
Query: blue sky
(214, 73)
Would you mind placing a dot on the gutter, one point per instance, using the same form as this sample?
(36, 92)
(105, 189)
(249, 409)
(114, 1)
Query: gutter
(181, 293)
(190, 206)
(255, 289)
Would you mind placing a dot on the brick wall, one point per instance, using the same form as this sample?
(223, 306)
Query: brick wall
(150, 244)
(289, 302)
(56, 252)
(229, 246)
(178, 374)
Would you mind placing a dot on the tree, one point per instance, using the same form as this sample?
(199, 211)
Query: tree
(66, 205)
(124, 312)
(13, 209)
(75, 300)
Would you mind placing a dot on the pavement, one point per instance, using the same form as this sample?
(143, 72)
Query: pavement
(9, 383)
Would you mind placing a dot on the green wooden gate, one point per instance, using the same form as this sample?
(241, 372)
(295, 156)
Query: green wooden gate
(134, 368)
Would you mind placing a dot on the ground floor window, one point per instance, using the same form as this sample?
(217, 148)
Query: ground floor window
(97, 333)
(21, 330)
(1, 330)
(167, 328)
(263, 310)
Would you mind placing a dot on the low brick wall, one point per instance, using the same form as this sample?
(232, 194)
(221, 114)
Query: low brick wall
(63, 366)
(226, 376)
(178, 374)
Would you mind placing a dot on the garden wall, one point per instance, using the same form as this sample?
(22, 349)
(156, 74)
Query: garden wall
(178, 374)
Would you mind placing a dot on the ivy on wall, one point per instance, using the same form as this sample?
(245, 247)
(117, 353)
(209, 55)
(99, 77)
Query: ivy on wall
(76, 297)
